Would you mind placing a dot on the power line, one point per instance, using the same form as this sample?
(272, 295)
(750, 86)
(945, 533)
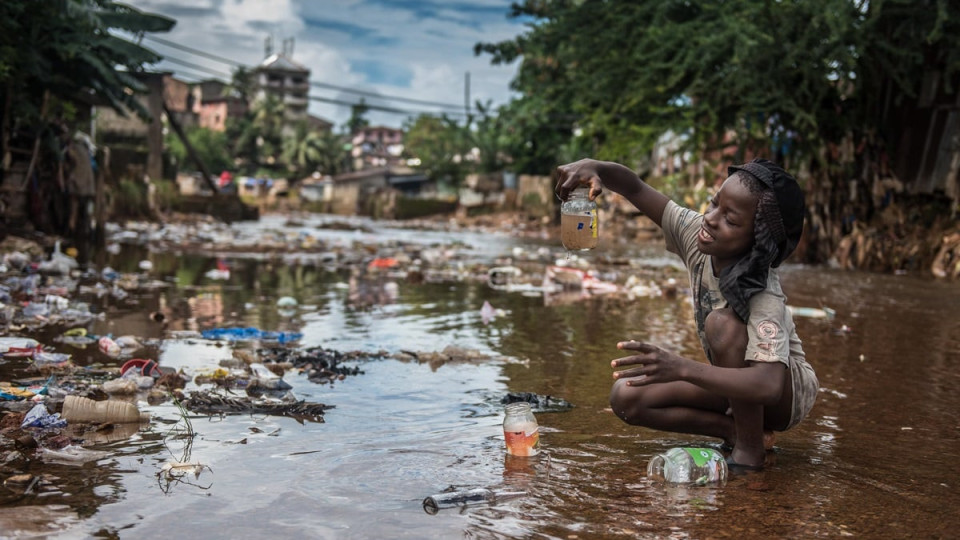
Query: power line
(317, 84)
(381, 96)
(370, 106)
(193, 66)
(198, 52)
(381, 108)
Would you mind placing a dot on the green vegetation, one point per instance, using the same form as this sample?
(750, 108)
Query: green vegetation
(211, 147)
(827, 87)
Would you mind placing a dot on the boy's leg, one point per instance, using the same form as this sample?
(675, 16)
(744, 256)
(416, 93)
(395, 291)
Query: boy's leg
(679, 407)
(727, 337)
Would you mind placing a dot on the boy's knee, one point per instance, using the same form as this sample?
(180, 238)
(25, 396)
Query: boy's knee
(727, 336)
(627, 402)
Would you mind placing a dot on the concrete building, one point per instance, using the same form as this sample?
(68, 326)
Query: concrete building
(289, 82)
(377, 147)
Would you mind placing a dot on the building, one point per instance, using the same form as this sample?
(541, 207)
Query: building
(377, 147)
(280, 77)
(127, 134)
(214, 104)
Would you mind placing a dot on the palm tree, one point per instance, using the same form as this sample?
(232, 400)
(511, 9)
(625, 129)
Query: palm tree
(310, 150)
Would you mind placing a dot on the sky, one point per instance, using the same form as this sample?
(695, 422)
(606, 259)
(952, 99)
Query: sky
(417, 50)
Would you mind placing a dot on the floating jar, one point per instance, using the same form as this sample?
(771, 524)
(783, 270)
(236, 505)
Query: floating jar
(520, 430)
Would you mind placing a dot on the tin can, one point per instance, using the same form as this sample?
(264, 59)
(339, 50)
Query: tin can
(520, 430)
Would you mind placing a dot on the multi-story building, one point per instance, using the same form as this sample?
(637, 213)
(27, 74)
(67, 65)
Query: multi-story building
(280, 77)
(376, 146)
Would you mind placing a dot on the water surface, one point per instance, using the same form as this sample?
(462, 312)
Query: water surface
(876, 458)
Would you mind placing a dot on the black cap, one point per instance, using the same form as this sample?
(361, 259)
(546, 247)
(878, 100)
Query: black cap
(790, 201)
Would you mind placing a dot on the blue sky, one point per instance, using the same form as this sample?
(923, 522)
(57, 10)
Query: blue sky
(414, 49)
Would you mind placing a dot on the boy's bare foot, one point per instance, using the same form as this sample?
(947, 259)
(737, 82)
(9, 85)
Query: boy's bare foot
(740, 461)
(769, 440)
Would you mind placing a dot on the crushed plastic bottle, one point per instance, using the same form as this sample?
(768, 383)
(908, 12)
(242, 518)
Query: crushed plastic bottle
(698, 466)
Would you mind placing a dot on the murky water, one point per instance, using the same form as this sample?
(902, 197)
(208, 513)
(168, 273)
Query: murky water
(876, 458)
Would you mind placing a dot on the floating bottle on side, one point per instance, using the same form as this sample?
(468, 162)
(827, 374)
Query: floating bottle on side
(81, 409)
(698, 466)
(470, 497)
(520, 430)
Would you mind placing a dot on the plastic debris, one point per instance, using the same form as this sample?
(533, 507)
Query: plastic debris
(813, 313)
(538, 403)
(250, 333)
(71, 455)
(81, 409)
(12, 346)
(286, 302)
(461, 499)
(264, 378)
(109, 347)
(40, 417)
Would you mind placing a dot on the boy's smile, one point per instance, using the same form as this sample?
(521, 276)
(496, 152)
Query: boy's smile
(727, 230)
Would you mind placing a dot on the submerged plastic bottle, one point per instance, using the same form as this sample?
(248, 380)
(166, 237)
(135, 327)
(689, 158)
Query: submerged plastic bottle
(579, 225)
(459, 499)
(688, 466)
(520, 430)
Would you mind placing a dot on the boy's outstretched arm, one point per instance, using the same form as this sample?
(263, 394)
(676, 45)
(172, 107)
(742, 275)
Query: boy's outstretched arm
(615, 177)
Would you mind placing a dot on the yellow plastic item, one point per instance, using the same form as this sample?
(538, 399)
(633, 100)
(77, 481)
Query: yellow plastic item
(76, 332)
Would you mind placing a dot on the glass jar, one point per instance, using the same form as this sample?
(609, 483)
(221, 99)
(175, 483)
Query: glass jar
(520, 430)
(579, 226)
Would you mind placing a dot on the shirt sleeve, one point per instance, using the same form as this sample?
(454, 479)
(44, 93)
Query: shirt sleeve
(768, 335)
(680, 227)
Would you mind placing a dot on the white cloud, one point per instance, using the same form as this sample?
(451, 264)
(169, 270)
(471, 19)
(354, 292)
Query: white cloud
(416, 50)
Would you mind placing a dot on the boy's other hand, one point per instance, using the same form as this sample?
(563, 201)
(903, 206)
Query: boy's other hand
(653, 364)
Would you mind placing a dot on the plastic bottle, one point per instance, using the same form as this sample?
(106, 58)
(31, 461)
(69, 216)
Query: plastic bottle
(81, 409)
(688, 466)
(458, 499)
(579, 225)
(520, 430)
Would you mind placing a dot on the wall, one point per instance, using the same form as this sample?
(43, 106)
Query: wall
(535, 195)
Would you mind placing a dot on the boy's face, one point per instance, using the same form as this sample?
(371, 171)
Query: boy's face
(727, 230)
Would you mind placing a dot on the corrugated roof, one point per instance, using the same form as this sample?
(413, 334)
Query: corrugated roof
(281, 62)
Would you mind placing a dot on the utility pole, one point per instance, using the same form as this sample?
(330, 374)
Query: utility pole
(466, 92)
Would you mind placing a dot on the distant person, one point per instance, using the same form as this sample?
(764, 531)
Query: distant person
(758, 380)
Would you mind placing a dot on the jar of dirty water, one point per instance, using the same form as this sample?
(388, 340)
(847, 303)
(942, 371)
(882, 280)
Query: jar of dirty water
(579, 226)
(688, 466)
(520, 430)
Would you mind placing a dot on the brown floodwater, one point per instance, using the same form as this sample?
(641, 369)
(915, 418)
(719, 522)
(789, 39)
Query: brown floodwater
(877, 457)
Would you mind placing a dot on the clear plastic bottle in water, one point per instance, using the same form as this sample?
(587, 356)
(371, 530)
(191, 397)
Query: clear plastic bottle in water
(688, 466)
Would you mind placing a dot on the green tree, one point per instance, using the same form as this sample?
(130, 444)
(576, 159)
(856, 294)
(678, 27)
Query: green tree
(309, 150)
(485, 133)
(440, 144)
(210, 147)
(66, 49)
(786, 79)
(358, 117)
(257, 136)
